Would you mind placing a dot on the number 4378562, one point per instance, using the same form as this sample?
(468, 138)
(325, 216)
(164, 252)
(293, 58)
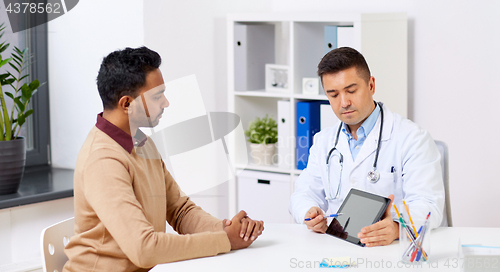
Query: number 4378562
(473, 262)
(33, 8)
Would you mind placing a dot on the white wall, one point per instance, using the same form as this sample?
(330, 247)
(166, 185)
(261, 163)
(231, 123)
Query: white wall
(20, 229)
(453, 63)
(455, 66)
(452, 71)
(191, 38)
(78, 41)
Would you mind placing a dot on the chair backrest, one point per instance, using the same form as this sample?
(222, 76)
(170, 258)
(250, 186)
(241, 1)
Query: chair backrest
(443, 149)
(53, 240)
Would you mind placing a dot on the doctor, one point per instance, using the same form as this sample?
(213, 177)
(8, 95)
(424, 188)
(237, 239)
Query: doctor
(371, 149)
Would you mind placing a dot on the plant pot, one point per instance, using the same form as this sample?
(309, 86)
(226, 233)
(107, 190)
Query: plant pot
(262, 154)
(12, 161)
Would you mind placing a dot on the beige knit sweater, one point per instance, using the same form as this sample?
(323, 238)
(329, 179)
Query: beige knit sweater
(122, 203)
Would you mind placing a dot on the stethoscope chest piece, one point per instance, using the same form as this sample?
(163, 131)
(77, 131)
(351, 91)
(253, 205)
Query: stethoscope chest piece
(373, 176)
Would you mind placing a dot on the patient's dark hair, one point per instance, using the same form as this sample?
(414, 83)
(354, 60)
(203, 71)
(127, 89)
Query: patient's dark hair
(341, 59)
(123, 72)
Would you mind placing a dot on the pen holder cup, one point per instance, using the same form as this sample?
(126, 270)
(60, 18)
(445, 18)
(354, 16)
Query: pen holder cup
(415, 247)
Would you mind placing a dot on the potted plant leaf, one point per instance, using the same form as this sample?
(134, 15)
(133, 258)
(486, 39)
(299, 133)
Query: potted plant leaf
(12, 146)
(262, 134)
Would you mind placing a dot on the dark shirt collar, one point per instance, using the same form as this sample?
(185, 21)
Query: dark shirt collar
(118, 135)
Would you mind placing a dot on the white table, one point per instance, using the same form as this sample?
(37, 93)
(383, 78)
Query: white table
(292, 247)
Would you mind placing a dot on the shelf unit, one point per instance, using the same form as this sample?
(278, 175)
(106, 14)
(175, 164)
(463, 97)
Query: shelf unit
(297, 40)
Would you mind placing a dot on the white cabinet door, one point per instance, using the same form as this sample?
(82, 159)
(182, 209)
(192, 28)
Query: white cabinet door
(264, 196)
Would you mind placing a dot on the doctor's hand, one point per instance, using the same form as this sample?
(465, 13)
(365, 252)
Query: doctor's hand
(318, 222)
(381, 233)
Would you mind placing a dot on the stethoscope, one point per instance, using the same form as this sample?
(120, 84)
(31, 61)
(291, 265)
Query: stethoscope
(373, 175)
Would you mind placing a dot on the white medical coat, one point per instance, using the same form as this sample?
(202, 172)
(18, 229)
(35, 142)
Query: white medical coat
(409, 149)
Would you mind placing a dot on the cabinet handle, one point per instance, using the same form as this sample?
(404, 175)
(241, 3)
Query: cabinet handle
(263, 181)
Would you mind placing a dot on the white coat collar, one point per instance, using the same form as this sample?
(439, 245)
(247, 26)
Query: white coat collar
(370, 144)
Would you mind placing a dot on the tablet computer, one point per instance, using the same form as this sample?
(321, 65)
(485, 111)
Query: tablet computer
(360, 209)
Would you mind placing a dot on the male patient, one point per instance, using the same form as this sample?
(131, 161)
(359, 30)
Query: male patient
(124, 195)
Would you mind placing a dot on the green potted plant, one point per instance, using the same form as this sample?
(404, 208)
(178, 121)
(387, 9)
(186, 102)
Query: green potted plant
(12, 146)
(262, 134)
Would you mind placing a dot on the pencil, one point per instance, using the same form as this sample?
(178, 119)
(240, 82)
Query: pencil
(395, 208)
(411, 221)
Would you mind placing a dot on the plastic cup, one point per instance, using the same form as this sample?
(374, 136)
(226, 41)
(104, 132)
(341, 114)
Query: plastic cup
(415, 247)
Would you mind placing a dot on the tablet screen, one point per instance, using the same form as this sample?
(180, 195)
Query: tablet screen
(360, 209)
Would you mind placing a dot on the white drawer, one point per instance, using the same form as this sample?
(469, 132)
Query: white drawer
(265, 196)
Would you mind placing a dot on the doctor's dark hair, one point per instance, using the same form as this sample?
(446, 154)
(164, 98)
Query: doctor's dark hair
(123, 72)
(341, 59)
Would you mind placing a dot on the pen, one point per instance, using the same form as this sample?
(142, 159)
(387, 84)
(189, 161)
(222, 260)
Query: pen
(416, 242)
(331, 215)
(420, 241)
(419, 248)
(402, 221)
(419, 254)
(411, 236)
(414, 245)
(346, 223)
(421, 238)
(423, 228)
(407, 228)
(409, 233)
(414, 254)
